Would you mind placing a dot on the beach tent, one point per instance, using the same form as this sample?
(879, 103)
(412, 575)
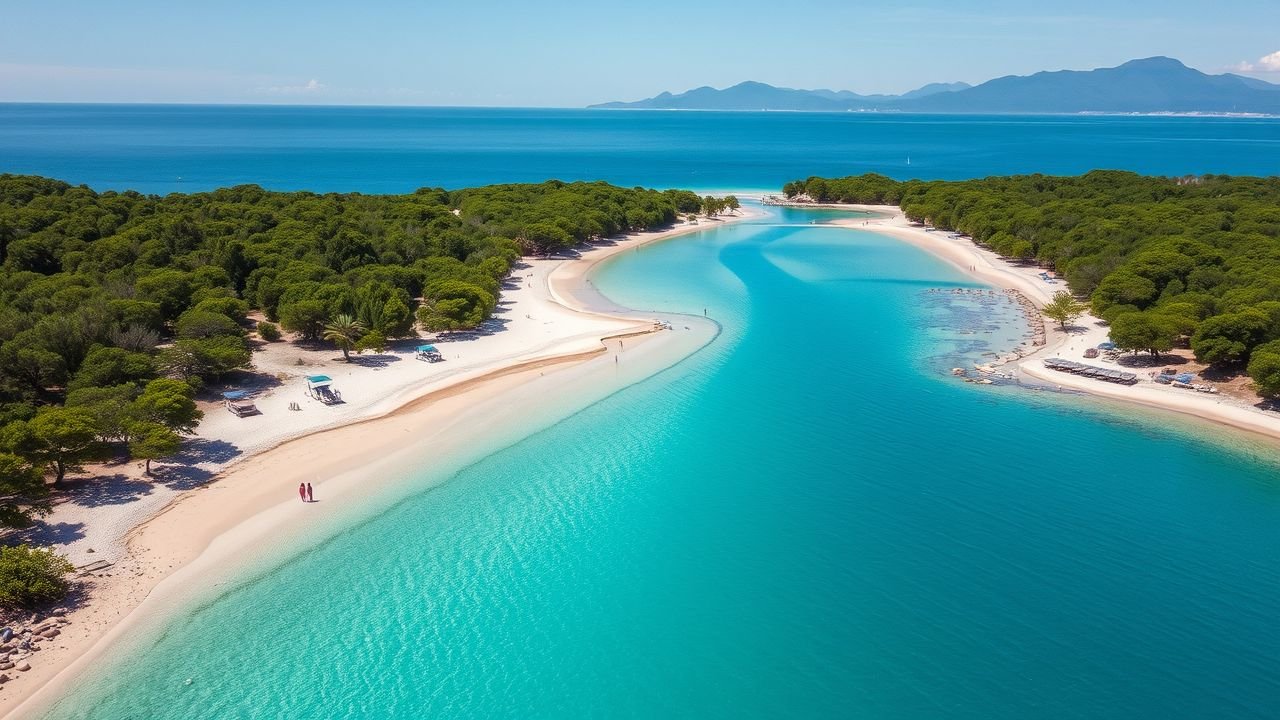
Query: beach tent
(428, 352)
(318, 381)
(1107, 346)
(321, 388)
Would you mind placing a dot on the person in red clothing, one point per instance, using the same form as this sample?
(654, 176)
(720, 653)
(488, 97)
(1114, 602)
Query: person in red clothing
(302, 491)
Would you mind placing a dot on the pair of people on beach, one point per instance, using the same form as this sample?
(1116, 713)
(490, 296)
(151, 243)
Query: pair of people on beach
(305, 492)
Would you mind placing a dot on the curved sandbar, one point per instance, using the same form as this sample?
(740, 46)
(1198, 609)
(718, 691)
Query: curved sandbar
(988, 267)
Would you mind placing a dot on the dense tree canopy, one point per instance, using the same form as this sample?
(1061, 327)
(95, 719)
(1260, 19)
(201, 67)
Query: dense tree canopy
(1196, 257)
(105, 297)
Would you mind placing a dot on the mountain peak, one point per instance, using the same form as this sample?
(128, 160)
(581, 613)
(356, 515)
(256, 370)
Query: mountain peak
(1146, 85)
(1158, 62)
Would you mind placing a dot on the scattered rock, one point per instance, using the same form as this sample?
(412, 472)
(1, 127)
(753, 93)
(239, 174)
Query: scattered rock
(51, 633)
(6, 665)
(59, 612)
(4, 678)
(23, 667)
(89, 550)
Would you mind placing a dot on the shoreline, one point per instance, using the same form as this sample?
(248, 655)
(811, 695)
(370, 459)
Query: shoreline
(236, 522)
(986, 266)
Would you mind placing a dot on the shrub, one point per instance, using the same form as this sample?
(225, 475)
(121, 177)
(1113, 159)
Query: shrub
(268, 331)
(32, 576)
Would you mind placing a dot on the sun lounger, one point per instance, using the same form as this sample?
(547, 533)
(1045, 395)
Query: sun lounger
(238, 402)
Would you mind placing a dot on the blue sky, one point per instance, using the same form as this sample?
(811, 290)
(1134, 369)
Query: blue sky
(567, 54)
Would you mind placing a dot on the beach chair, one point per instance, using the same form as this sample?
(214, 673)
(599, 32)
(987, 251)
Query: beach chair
(239, 404)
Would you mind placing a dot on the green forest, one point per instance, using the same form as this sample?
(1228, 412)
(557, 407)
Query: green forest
(1164, 260)
(116, 308)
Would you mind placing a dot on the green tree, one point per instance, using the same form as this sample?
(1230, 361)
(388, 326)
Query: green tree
(233, 308)
(1143, 331)
(547, 237)
(169, 289)
(344, 331)
(153, 441)
(33, 367)
(1228, 338)
(30, 577)
(1063, 309)
(268, 331)
(108, 366)
(455, 305)
(112, 408)
(200, 324)
(396, 319)
(63, 439)
(210, 358)
(1124, 287)
(372, 341)
(170, 404)
(305, 317)
(1264, 368)
(23, 493)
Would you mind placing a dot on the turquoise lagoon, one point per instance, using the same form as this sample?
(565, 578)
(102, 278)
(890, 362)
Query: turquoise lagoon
(806, 518)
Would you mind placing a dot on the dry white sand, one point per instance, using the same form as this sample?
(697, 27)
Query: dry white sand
(1089, 331)
(551, 357)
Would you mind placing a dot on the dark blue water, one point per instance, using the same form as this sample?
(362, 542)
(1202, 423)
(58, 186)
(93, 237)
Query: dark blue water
(161, 149)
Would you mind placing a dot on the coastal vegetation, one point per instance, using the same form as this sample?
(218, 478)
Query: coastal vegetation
(32, 576)
(1064, 309)
(118, 308)
(1165, 260)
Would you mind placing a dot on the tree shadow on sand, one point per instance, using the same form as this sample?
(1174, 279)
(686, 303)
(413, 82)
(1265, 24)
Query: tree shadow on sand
(380, 360)
(43, 534)
(492, 326)
(1147, 360)
(104, 490)
(190, 467)
(201, 450)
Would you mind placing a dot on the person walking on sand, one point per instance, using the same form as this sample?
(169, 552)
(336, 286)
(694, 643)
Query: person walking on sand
(302, 491)
(311, 496)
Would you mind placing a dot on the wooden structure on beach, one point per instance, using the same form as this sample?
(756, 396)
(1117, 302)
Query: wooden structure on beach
(1090, 371)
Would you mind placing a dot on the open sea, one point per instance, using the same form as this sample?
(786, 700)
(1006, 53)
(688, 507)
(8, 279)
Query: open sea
(808, 517)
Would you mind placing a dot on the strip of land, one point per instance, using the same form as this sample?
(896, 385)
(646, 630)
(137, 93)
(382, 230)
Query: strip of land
(1087, 332)
(560, 346)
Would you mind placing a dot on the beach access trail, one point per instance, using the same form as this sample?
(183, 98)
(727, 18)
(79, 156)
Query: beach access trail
(988, 267)
(550, 352)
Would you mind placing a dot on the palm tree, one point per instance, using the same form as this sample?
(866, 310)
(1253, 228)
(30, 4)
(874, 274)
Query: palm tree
(343, 331)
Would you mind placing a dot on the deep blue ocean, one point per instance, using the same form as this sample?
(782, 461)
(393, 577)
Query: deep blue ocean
(806, 518)
(175, 148)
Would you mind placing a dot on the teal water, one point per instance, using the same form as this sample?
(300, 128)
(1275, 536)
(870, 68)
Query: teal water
(806, 518)
(176, 148)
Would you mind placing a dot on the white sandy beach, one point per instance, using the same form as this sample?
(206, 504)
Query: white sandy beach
(166, 541)
(988, 267)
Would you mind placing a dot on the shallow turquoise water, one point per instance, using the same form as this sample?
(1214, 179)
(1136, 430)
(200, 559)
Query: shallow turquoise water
(807, 518)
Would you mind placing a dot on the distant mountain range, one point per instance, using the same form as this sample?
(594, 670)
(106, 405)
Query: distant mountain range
(1152, 85)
